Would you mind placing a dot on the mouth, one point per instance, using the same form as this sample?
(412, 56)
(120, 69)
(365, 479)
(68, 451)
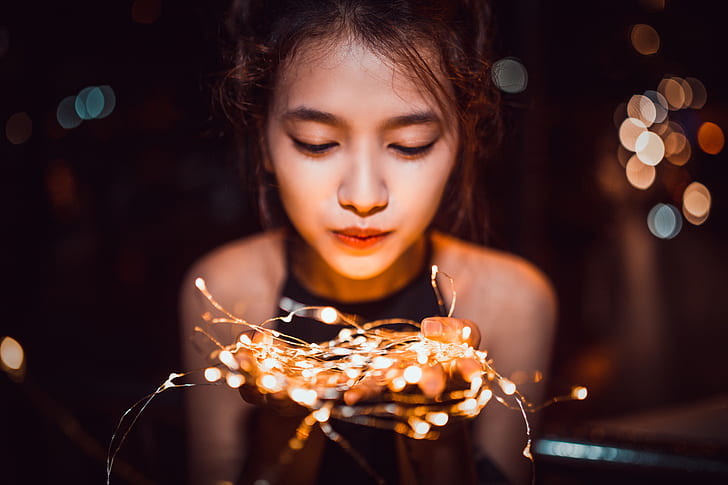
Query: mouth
(358, 238)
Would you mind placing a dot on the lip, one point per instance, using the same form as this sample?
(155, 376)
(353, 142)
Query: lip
(359, 238)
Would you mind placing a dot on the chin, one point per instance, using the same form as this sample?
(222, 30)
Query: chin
(360, 268)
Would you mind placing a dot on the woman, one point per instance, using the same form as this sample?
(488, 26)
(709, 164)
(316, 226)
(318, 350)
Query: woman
(364, 122)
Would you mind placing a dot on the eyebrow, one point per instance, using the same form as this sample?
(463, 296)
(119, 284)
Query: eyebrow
(308, 114)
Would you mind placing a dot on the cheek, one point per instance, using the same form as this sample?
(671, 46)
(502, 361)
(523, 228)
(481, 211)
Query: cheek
(422, 190)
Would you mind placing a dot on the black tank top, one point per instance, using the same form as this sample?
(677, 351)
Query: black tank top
(415, 301)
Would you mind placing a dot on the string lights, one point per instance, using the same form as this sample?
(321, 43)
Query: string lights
(391, 368)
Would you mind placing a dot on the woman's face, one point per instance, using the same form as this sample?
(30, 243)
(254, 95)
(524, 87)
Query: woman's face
(361, 154)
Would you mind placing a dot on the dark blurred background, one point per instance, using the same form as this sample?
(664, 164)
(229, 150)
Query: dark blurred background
(101, 219)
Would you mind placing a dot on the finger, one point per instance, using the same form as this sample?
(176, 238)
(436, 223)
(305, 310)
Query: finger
(367, 389)
(433, 380)
(450, 330)
(466, 369)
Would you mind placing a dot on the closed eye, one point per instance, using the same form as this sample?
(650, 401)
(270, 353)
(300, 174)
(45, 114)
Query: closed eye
(314, 149)
(413, 152)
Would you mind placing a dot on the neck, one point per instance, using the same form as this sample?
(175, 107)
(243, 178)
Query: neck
(319, 278)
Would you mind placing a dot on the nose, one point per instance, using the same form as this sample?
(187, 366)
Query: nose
(363, 190)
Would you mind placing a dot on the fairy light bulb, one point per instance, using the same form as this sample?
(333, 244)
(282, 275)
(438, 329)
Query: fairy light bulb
(579, 393)
(213, 374)
(412, 374)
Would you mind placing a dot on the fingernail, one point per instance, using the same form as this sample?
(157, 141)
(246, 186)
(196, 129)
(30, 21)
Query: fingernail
(431, 328)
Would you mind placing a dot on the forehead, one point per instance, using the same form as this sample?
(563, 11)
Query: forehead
(336, 75)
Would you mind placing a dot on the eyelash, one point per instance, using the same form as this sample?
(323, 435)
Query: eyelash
(413, 152)
(405, 151)
(314, 149)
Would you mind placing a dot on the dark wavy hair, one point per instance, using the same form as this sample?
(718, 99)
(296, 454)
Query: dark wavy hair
(262, 35)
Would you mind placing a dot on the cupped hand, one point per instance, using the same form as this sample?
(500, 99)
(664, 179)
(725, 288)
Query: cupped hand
(435, 378)
(279, 401)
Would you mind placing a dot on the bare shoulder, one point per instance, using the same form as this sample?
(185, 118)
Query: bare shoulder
(501, 292)
(242, 275)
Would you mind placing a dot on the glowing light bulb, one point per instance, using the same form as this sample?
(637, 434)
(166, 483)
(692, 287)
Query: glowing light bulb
(484, 397)
(200, 284)
(381, 362)
(419, 427)
(269, 383)
(508, 386)
(468, 405)
(437, 418)
(322, 415)
(412, 374)
(213, 374)
(329, 315)
(397, 384)
(227, 358)
(235, 380)
(579, 392)
(11, 353)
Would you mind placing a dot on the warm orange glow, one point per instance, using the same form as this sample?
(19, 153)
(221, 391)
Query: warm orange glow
(645, 39)
(650, 148)
(710, 138)
(397, 384)
(507, 386)
(212, 374)
(437, 418)
(639, 175)
(642, 108)
(329, 315)
(268, 383)
(629, 130)
(673, 92)
(682, 157)
(11, 353)
(468, 405)
(235, 380)
(579, 393)
(413, 374)
(696, 203)
(675, 143)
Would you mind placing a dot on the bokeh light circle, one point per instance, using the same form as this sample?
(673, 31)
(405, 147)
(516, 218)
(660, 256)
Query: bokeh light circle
(639, 175)
(673, 92)
(700, 94)
(66, 114)
(664, 221)
(710, 138)
(642, 108)
(629, 131)
(696, 203)
(650, 148)
(510, 75)
(18, 128)
(645, 39)
(109, 101)
(660, 104)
